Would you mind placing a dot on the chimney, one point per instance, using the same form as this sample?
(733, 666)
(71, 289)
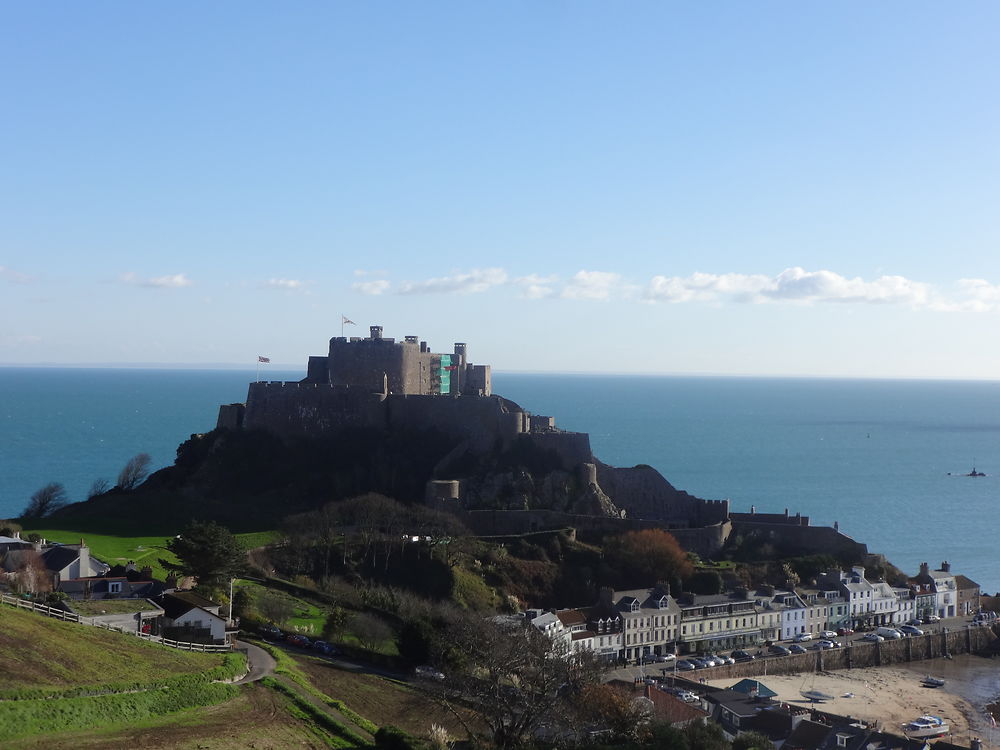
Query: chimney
(945, 567)
(375, 332)
(84, 560)
(171, 582)
(976, 744)
(146, 573)
(925, 569)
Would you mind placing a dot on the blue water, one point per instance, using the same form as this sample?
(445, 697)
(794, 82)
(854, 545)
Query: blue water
(871, 455)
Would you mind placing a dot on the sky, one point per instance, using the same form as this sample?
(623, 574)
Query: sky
(767, 188)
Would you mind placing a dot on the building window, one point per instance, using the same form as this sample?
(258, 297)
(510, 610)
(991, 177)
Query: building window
(115, 588)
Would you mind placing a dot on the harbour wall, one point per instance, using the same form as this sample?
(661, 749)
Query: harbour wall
(859, 654)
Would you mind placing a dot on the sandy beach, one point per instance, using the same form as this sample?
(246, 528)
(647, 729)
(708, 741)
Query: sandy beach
(889, 695)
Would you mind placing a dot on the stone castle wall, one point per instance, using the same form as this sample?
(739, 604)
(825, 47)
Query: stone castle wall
(644, 493)
(705, 541)
(314, 409)
(802, 539)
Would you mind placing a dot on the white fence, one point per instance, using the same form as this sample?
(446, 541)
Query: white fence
(62, 614)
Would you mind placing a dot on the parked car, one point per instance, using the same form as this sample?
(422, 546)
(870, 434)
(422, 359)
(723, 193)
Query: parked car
(910, 630)
(932, 618)
(683, 665)
(826, 643)
(428, 672)
(324, 648)
(726, 659)
(777, 649)
(699, 663)
(687, 696)
(665, 657)
(890, 634)
(741, 655)
(272, 633)
(297, 639)
(828, 634)
(872, 638)
(802, 637)
(796, 649)
(845, 631)
(914, 621)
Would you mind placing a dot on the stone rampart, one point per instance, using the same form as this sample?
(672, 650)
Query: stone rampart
(801, 539)
(705, 541)
(644, 493)
(572, 448)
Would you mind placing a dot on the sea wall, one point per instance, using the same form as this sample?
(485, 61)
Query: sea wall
(859, 654)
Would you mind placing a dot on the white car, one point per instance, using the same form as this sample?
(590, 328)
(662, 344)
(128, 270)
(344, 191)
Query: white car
(665, 657)
(872, 638)
(828, 634)
(824, 644)
(802, 637)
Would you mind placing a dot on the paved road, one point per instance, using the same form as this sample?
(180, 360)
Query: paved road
(261, 663)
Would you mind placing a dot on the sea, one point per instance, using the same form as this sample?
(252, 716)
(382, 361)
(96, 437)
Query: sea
(883, 459)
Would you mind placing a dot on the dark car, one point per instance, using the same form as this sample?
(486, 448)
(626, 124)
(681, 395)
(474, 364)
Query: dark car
(296, 639)
(324, 648)
(778, 650)
(796, 649)
(272, 633)
(683, 665)
(741, 655)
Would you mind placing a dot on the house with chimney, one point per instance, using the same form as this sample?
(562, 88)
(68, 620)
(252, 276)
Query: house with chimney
(943, 585)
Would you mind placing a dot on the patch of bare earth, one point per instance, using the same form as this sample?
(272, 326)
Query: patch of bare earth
(256, 720)
(383, 701)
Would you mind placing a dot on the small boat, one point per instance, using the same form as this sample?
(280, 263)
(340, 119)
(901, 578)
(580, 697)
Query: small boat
(929, 681)
(926, 726)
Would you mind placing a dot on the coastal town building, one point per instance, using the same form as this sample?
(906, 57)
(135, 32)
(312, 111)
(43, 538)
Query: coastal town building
(710, 622)
(942, 583)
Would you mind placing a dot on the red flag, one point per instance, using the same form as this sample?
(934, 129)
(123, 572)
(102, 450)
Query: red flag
(451, 367)
(265, 360)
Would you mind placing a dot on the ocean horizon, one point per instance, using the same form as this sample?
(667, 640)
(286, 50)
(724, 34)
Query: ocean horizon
(880, 457)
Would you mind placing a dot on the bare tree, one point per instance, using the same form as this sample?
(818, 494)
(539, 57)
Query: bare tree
(99, 487)
(134, 471)
(44, 501)
(371, 631)
(513, 676)
(31, 576)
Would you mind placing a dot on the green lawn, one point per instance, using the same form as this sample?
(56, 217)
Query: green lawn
(144, 550)
(110, 606)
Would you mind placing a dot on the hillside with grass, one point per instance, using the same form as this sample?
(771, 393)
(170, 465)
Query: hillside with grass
(59, 677)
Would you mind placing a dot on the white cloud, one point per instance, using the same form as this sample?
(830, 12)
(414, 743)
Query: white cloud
(373, 288)
(285, 284)
(14, 277)
(791, 285)
(597, 285)
(174, 281)
(535, 286)
(475, 281)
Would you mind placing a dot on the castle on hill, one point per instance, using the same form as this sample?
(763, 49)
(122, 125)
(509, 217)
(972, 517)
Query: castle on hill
(403, 388)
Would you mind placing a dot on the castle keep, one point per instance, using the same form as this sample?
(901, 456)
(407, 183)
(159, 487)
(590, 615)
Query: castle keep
(381, 365)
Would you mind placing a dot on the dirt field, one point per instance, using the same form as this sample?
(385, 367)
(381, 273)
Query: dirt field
(257, 719)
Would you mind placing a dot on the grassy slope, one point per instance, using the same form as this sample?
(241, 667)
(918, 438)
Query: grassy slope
(381, 700)
(144, 550)
(258, 718)
(42, 652)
